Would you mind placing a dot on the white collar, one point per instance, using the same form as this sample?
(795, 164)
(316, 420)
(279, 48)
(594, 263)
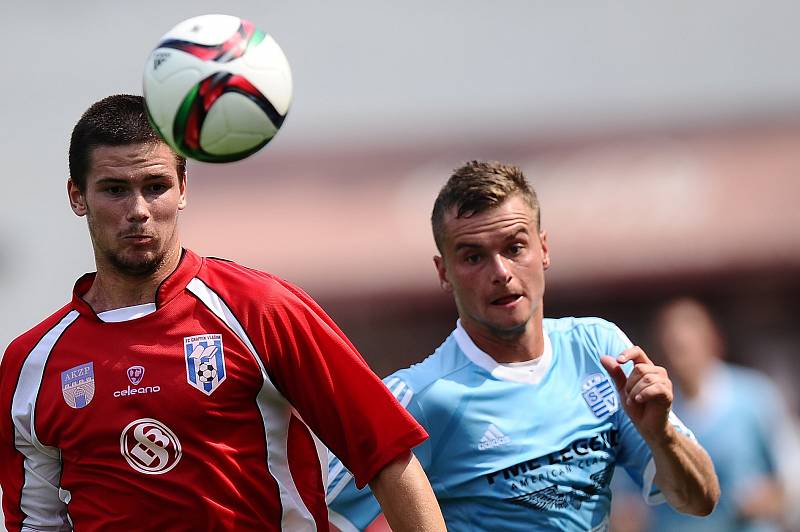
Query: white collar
(127, 313)
(526, 374)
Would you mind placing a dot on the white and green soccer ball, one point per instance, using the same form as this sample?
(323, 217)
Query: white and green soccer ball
(216, 88)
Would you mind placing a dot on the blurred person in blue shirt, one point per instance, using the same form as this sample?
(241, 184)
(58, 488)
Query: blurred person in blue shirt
(528, 416)
(738, 415)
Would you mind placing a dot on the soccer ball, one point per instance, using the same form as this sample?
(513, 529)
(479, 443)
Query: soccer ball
(206, 372)
(217, 88)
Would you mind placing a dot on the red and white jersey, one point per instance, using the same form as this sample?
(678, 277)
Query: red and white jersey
(196, 416)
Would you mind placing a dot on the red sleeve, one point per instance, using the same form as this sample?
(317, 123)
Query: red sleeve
(12, 461)
(325, 378)
(12, 476)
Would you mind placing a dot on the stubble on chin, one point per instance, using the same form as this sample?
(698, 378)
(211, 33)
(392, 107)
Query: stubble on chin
(136, 267)
(495, 329)
(509, 333)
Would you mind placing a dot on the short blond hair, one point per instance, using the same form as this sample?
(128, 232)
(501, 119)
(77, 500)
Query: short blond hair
(478, 186)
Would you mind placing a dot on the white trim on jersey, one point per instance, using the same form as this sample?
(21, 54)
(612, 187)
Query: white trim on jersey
(341, 522)
(400, 390)
(39, 501)
(127, 313)
(338, 469)
(276, 413)
(322, 453)
(624, 337)
(521, 374)
(647, 485)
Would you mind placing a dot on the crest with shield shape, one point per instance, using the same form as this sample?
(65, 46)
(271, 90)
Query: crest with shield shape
(135, 374)
(600, 395)
(77, 385)
(205, 362)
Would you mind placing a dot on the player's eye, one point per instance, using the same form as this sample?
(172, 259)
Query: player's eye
(157, 188)
(114, 191)
(472, 259)
(515, 249)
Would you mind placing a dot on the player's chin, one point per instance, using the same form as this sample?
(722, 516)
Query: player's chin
(510, 326)
(512, 316)
(139, 253)
(138, 262)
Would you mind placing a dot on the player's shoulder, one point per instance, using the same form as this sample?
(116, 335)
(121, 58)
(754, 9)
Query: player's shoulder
(23, 344)
(445, 362)
(588, 328)
(218, 271)
(248, 284)
(578, 338)
(577, 325)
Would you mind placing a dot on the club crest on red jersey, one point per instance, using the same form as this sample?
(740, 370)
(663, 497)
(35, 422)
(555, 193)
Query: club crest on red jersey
(77, 385)
(205, 361)
(135, 374)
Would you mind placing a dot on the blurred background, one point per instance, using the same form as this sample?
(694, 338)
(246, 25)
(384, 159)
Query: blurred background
(663, 140)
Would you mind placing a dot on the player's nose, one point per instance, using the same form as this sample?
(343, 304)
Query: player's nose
(138, 209)
(501, 271)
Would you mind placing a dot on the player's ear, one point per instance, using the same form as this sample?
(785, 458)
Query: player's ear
(77, 201)
(182, 187)
(441, 270)
(545, 250)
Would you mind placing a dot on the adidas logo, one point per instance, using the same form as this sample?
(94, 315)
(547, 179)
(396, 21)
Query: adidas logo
(492, 438)
(159, 58)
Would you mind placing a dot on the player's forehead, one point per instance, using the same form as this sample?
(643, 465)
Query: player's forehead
(130, 161)
(512, 218)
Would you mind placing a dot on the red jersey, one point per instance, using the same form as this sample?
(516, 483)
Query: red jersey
(200, 415)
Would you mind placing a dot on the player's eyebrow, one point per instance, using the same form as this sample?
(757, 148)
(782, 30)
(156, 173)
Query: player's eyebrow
(154, 176)
(510, 236)
(467, 245)
(110, 181)
(121, 180)
(515, 234)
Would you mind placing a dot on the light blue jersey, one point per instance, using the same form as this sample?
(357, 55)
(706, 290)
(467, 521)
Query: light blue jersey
(529, 446)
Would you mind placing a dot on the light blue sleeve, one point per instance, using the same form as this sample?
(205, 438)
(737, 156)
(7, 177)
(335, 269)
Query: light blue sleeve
(634, 455)
(349, 508)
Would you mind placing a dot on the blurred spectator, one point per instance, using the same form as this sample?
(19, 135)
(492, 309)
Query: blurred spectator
(741, 419)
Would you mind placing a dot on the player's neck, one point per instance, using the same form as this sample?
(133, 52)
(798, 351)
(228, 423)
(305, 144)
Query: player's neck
(527, 344)
(113, 289)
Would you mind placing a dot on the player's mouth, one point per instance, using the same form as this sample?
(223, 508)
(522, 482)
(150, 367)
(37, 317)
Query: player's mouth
(138, 239)
(507, 300)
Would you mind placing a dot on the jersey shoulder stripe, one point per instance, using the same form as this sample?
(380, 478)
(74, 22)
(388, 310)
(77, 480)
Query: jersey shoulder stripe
(21, 346)
(401, 391)
(275, 410)
(42, 463)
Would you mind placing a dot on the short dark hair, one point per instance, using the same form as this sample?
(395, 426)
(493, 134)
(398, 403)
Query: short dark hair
(478, 186)
(116, 120)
